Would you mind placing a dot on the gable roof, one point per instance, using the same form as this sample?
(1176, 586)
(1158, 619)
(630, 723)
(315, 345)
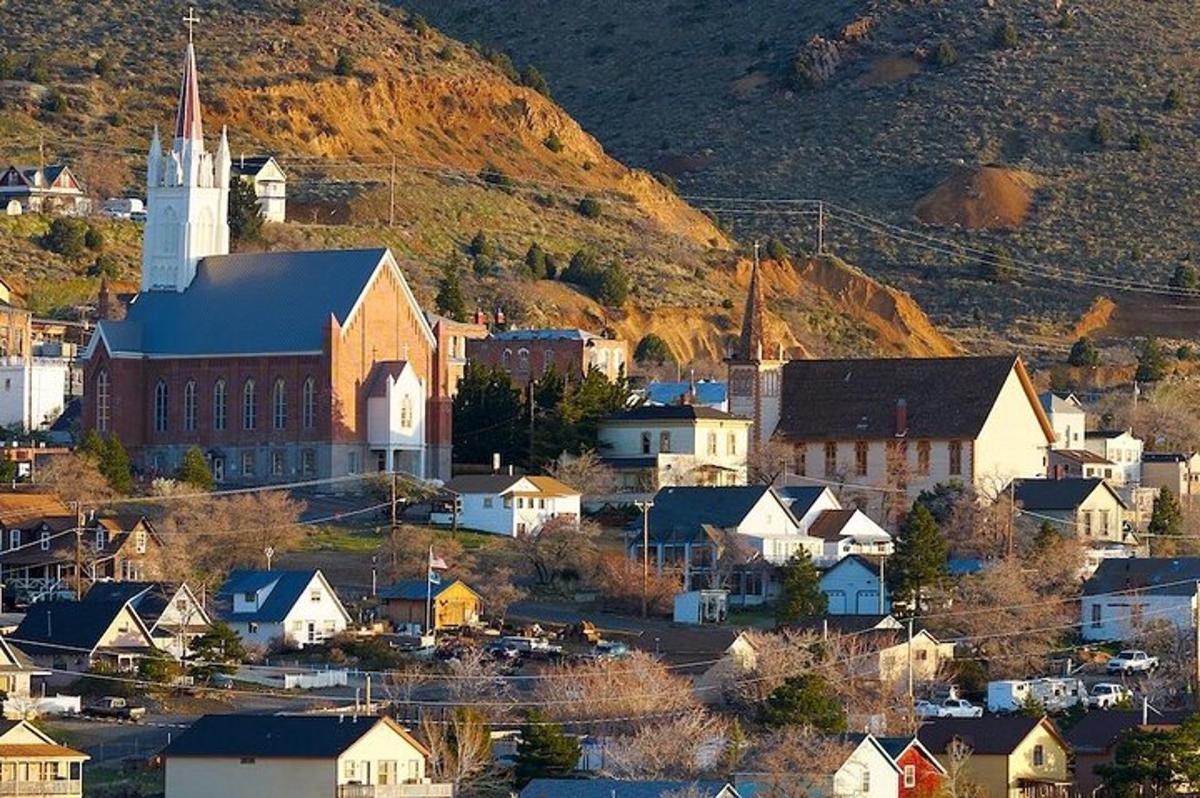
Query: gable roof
(844, 624)
(493, 484)
(800, 498)
(71, 627)
(287, 587)
(1053, 402)
(13, 659)
(414, 589)
(948, 397)
(381, 372)
(1080, 456)
(552, 487)
(251, 303)
(871, 564)
(251, 165)
(276, 736)
(148, 599)
(1163, 576)
(622, 788)
(1058, 494)
(896, 746)
(831, 524)
(673, 413)
(995, 734)
(690, 649)
(1166, 457)
(683, 511)
(1096, 732)
(18, 508)
(1103, 434)
(550, 334)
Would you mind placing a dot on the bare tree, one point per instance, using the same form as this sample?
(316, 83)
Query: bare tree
(685, 747)
(958, 782)
(401, 684)
(792, 763)
(768, 462)
(562, 543)
(499, 592)
(630, 687)
(74, 478)
(460, 753)
(619, 580)
(405, 553)
(1171, 685)
(584, 472)
(776, 657)
(472, 678)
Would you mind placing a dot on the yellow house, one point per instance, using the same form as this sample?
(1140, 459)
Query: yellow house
(928, 655)
(32, 764)
(74, 635)
(453, 603)
(298, 756)
(1010, 756)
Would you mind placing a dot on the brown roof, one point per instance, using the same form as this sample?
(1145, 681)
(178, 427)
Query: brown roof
(856, 399)
(39, 750)
(1080, 456)
(17, 508)
(552, 487)
(830, 523)
(995, 734)
(1096, 732)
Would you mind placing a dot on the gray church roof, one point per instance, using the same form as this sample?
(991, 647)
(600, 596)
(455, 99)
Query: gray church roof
(245, 304)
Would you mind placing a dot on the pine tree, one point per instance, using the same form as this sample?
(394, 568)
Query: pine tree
(114, 465)
(194, 471)
(1166, 518)
(801, 590)
(544, 750)
(1084, 353)
(449, 300)
(1047, 537)
(91, 446)
(1152, 362)
(245, 214)
(806, 700)
(920, 561)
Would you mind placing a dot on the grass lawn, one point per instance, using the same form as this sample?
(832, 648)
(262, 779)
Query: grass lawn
(367, 540)
(762, 616)
(109, 780)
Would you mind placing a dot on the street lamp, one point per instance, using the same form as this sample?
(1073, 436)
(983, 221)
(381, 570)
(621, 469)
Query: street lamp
(645, 506)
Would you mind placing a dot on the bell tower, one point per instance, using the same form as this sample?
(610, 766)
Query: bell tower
(755, 378)
(187, 192)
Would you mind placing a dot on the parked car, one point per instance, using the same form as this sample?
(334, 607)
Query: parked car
(114, 707)
(1106, 695)
(610, 649)
(500, 650)
(1131, 661)
(949, 708)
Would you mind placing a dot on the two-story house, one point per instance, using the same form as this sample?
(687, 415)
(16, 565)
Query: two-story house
(296, 608)
(864, 769)
(33, 764)
(526, 354)
(675, 445)
(1083, 464)
(1178, 472)
(1120, 447)
(75, 635)
(1089, 509)
(1010, 756)
(1124, 594)
(170, 611)
(298, 756)
(506, 504)
(1067, 417)
(269, 181)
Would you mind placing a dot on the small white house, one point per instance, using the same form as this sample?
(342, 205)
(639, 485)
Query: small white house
(297, 607)
(171, 612)
(676, 445)
(1089, 509)
(868, 771)
(854, 586)
(1125, 595)
(847, 532)
(1120, 447)
(1067, 417)
(506, 504)
(269, 181)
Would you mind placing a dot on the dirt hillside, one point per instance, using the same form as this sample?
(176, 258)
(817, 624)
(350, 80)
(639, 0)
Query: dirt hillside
(979, 198)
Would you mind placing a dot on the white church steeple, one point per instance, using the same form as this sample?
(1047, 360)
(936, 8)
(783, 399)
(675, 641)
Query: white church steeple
(187, 193)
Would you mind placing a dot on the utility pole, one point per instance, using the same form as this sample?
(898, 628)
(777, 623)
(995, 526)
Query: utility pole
(393, 501)
(1196, 621)
(78, 551)
(882, 590)
(910, 663)
(645, 506)
(1012, 515)
(532, 413)
(392, 195)
(821, 227)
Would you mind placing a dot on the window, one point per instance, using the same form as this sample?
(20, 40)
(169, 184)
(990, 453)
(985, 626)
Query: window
(45, 540)
(248, 463)
(548, 360)
(860, 458)
(645, 443)
(800, 459)
(14, 538)
(308, 462)
(314, 595)
(956, 457)
(247, 760)
(830, 459)
(487, 502)
(922, 457)
(712, 444)
(1039, 756)
(664, 441)
(352, 463)
(406, 412)
(1087, 523)
(506, 360)
(1096, 622)
(160, 406)
(389, 772)
(189, 406)
(249, 598)
(866, 782)
(279, 405)
(219, 405)
(731, 443)
(277, 464)
(910, 776)
(249, 406)
(102, 400)
(308, 404)
(522, 360)
(350, 771)
(140, 541)
(100, 541)
(508, 502)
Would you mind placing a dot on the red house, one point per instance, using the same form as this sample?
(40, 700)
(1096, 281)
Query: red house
(920, 773)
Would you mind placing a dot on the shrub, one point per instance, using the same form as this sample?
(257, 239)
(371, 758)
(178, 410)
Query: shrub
(446, 53)
(671, 183)
(418, 24)
(1084, 353)
(8, 69)
(1140, 142)
(105, 266)
(999, 267)
(55, 102)
(490, 173)
(1066, 20)
(589, 207)
(727, 303)
(800, 75)
(103, 67)
(652, 349)
(531, 78)
(481, 246)
(1174, 99)
(1152, 362)
(946, 55)
(1184, 277)
(35, 70)
(1101, 132)
(776, 250)
(502, 62)
(344, 66)
(553, 266)
(1185, 352)
(66, 236)
(93, 239)
(299, 12)
(553, 142)
(608, 283)
(535, 261)
(1005, 36)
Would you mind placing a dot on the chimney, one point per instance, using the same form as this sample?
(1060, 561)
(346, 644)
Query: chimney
(901, 418)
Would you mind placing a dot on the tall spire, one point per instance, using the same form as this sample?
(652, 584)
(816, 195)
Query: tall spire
(754, 323)
(187, 118)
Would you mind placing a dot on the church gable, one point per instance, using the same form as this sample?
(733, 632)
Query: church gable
(388, 282)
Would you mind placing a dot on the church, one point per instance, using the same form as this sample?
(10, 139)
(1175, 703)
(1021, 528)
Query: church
(279, 366)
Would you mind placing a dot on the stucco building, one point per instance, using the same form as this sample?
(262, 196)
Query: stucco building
(525, 354)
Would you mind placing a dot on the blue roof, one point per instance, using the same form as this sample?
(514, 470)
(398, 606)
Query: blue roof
(563, 334)
(413, 589)
(619, 788)
(666, 393)
(678, 513)
(252, 303)
(799, 498)
(286, 589)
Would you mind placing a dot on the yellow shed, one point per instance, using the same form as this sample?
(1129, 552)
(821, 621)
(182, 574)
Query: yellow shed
(454, 603)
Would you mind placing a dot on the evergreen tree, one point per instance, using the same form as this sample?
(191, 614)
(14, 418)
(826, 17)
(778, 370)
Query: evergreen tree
(1154, 762)
(544, 750)
(114, 465)
(941, 499)
(194, 471)
(1084, 353)
(92, 445)
(535, 261)
(449, 300)
(1184, 277)
(652, 349)
(805, 700)
(776, 250)
(245, 214)
(218, 650)
(800, 590)
(1166, 518)
(1046, 538)
(920, 561)
(1152, 362)
(487, 414)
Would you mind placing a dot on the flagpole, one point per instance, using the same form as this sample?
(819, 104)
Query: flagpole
(429, 592)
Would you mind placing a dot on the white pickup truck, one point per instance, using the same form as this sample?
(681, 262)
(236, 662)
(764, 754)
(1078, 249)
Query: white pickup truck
(948, 708)
(1106, 695)
(1131, 661)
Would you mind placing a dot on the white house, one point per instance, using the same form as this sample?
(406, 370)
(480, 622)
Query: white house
(297, 607)
(847, 532)
(1087, 508)
(1121, 448)
(1083, 464)
(36, 765)
(269, 181)
(505, 504)
(17, 672)
(396, 418)
(1124, 595)
(854, 586)
(298, 756)
(868, 771)
(675, 445)
(1067, 417)
(171, 611)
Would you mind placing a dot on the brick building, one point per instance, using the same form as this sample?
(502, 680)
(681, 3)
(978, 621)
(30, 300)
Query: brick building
(527, 353)
(279, 365)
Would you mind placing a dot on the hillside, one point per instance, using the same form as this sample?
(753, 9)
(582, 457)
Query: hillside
(417, 125)
(888, 102)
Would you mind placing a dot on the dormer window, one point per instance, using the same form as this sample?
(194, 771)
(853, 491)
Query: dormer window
(140, 541)
(314, 595)
(45, 540)
(250, 598)
(14, 538)
(100, 540)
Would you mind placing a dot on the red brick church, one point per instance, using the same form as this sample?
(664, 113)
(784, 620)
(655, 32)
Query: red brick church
(280, 366)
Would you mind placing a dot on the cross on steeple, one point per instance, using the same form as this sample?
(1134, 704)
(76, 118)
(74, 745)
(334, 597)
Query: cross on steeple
(190, 20)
